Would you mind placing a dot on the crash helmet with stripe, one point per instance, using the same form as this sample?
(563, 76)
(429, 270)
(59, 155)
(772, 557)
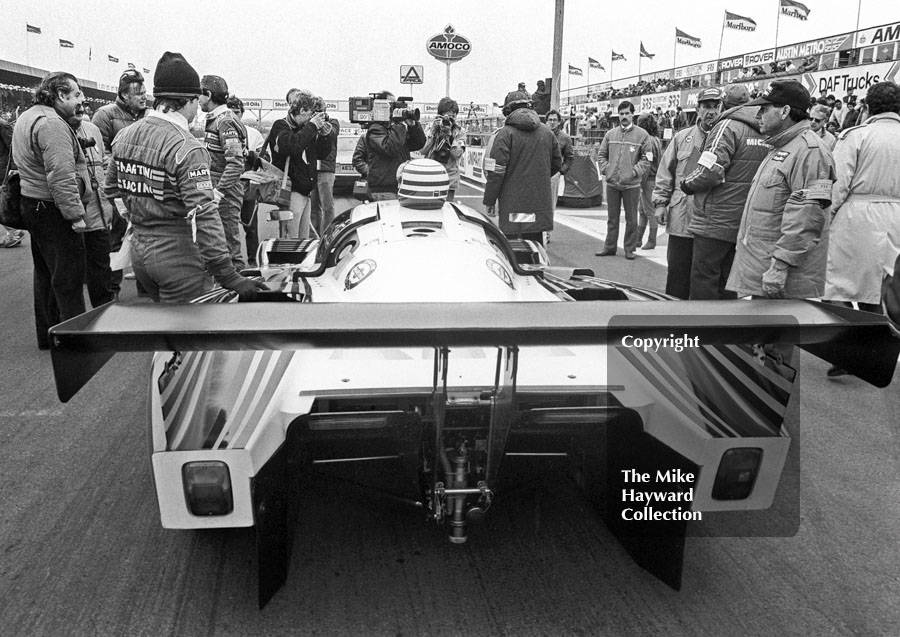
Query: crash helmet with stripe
(423, 184)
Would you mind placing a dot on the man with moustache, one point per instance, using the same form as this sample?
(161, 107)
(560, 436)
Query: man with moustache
(55, 189)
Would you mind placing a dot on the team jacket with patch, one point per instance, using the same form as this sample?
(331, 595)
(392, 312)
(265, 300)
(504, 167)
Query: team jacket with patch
(785, 216)
(162, 173)
(226, 141)
(625, 157)
(733, 152)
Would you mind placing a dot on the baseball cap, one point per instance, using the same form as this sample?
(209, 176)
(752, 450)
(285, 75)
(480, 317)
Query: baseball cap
(735, 95)
(709, 95)
(786, 92)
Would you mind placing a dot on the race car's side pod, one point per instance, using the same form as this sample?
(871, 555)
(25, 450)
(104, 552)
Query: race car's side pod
(860, 343)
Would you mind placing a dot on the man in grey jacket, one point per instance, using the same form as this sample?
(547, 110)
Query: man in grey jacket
(625, 156)
(55, 189)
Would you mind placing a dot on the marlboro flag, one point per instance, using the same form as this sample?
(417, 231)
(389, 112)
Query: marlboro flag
(594, 64)
(618, 56)
(739, 22)
(31, 29)
(147, 71)
(644, 53)
(112, 59)
(794, 9)
(66, 44)
(574, 70)
(683, 38)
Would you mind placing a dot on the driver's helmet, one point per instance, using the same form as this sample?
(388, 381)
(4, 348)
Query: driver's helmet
(422, 184)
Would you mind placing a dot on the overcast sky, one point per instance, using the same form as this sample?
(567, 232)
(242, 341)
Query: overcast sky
(339, 48)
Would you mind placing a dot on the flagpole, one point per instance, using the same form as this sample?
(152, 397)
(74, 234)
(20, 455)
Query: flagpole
(777, 25)
(721, 37)
(27, 56)
(858, 8)
(675, 51)
(639, 64)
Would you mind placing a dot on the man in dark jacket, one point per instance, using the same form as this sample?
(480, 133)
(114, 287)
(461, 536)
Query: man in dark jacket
(720, 183)
(130, 106)
(541, 99)
(519, 161)
(302, 136)
(389, 145)
(554, 121)
(322, 196)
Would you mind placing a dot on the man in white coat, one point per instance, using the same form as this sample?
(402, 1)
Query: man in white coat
(864, 239)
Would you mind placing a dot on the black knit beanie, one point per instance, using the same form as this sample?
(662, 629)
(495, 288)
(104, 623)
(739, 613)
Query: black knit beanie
(174, 77)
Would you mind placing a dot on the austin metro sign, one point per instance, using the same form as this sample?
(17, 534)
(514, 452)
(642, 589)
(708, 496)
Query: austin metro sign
(448, 46)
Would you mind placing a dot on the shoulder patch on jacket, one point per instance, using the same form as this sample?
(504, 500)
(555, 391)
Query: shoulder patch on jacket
(780, 155)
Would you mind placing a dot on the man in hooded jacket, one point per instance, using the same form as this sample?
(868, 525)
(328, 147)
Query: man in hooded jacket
(520, 160)
(720, 183)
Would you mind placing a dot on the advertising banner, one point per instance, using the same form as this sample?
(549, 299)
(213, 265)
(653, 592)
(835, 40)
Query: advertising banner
(856, 80)
(815, 47)
(666, 101)
(727, 64)
(695, 69)
(878, 35)
(760, 57)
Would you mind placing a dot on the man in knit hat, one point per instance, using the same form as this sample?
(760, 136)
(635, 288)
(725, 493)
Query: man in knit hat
(163, 174)
(226, 141)
(720, 183)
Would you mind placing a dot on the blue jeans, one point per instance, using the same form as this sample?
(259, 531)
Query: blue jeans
(58, 255)
(168, 265)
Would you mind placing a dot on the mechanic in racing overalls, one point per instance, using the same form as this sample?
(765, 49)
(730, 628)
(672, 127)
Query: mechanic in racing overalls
(162, 172)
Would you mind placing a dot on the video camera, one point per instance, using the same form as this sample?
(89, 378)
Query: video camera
(377, 108)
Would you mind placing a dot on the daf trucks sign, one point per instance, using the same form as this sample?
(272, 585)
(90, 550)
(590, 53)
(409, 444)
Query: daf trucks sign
(448, 46)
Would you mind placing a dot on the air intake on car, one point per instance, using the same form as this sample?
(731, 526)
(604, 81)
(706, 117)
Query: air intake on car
(288, 250)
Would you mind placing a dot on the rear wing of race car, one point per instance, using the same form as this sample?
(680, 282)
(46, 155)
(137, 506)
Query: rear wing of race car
(859, 342)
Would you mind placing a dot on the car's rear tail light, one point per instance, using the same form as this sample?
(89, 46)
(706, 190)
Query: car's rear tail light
(737, 473)
(207, 488)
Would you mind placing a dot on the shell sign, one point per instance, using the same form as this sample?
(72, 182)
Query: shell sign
(448, 46)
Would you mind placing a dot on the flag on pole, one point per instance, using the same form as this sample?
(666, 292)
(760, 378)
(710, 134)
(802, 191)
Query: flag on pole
(147, 71)
(574, 70)
(31, 29)
(594, 64)
(112, 59)
(66, 44)
(130, 65)
(618, 56)
(739, 22)
(644, 53)
(90, 52)
(683, 38)
(794, 9)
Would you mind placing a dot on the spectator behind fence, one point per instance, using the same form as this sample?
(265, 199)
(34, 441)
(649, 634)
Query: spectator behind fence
(818, 115)
(864, 239)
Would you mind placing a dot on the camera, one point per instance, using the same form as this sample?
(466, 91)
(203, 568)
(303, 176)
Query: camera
(87, 142)
(327, 119)
(377, 108)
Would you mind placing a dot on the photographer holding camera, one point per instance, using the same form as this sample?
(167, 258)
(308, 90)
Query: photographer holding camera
(446, 141)
(389, 145)
(302, 136)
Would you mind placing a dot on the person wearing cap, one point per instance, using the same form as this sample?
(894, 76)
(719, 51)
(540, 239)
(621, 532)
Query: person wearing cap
(225, 137)
(249, 203)
(130, 106)
(783, 239)
(818, 115)
(624, 158)
(720, 183)
(520, 159)
(864, 238)
(163, 174)
(56, 188)
(674, 207)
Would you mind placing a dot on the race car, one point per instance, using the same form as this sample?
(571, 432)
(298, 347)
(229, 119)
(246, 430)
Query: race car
(425, 347)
